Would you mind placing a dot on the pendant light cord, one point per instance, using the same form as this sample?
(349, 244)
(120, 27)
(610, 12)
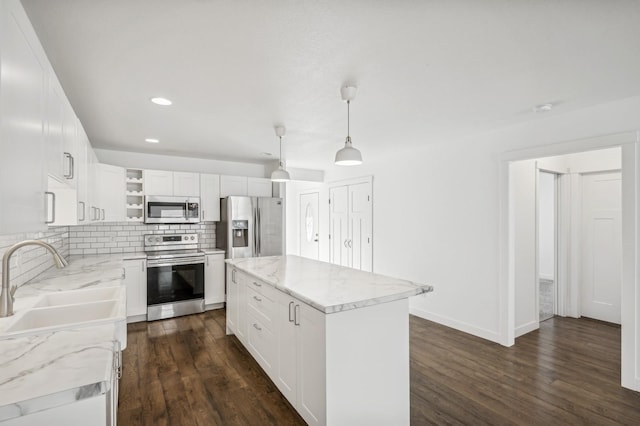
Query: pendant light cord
(280, 150)
(348, 118)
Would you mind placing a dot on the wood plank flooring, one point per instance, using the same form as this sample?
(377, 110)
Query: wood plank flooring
(185, 371)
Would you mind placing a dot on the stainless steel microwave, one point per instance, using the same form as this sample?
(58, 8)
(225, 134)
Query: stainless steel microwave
(160, 209)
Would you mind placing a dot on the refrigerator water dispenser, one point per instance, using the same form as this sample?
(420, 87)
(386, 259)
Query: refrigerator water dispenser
(240, 233)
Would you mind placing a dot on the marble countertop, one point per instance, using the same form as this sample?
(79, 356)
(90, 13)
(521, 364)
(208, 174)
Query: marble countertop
(327, 287)
(42, 371)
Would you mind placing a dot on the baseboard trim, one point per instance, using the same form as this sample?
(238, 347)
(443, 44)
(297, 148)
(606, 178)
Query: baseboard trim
(458, 325)
(527, 328)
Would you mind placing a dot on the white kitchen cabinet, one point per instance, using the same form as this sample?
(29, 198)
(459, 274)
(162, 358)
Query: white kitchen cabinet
(83, 176)
(158, 182)
(163, 182)
(70, 145)
(210, 197)
(300, 369)
(350, 213)
(186, 184)
(93, 198)
(214, 294)
(136, 282)
(232, 300)
(54, 140)
(233, 185)
(259, 187)
(61, 202)
(110, 193)
(22, 104)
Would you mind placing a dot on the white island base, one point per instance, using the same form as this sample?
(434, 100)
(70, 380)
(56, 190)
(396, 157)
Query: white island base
(344, 366)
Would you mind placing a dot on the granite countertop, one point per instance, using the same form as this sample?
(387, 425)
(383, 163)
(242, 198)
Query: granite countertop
(327, 287)
(42, 371)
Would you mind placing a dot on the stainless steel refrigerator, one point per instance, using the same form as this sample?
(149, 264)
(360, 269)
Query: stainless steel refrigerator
(251, 227)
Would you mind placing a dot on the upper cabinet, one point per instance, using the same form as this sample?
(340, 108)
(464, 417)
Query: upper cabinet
(210, 197)
(110, 191)
(23, 90)
(186, 184)
(242, 185)
(162, 182)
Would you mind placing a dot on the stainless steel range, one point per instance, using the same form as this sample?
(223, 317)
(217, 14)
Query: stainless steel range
(175, 275)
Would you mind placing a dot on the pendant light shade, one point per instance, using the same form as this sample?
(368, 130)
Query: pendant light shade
(348, 156)
(280, 174)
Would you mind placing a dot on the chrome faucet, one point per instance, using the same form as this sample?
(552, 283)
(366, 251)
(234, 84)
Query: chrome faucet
(6, 297)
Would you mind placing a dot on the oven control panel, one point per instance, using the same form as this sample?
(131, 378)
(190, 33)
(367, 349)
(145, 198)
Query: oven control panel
(170, 240)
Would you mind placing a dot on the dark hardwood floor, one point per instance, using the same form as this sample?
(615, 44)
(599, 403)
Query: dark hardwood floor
(185, 371)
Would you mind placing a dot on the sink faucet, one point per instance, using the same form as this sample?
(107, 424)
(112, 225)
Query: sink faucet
(6, 297)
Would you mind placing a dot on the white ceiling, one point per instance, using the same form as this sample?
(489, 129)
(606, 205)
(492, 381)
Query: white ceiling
(425, 70)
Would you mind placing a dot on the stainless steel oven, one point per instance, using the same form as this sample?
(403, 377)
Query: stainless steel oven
(175, 276)
(159, 209)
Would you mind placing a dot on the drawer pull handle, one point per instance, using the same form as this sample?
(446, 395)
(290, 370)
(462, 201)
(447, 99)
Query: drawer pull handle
(257, 327)
(256, 284)
(290, 314)
(296, 317)
(257, 298)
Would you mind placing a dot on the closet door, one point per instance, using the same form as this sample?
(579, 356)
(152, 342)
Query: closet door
(359, 241)
(339, 216)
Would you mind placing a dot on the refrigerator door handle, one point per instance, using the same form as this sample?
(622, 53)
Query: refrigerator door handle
(259, 225)
(255, 233)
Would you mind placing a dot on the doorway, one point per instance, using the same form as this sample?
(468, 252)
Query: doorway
(547, 244)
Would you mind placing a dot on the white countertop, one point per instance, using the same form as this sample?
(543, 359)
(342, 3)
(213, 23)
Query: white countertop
(213, 251)
(54, 368)
(325, 286)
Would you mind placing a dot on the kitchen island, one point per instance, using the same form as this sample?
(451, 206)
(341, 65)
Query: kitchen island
(334, 340)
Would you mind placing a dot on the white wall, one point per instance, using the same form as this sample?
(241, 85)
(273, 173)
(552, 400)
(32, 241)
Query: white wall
(447, 197)
(180, 164)
(546, 225)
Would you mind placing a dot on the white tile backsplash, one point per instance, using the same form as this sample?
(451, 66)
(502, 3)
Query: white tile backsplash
(29, 262)
(127, 237)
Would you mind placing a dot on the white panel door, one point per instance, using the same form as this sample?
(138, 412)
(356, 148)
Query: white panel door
(186, 184)
(158, 182)
(601, 246)
(309, 233)
(360, 226)
(111, 196)
(210, 197)
(214, 279)
(338, 221)
(22, 97)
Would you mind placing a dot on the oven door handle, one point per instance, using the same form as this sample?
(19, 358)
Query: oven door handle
(174, 262)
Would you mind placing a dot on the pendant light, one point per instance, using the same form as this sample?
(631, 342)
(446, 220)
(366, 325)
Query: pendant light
(280, 174)
(348, 156)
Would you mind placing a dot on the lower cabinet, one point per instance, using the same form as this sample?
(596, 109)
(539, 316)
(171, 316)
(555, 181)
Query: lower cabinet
(214, 280)
(136, 282)
(285, 336)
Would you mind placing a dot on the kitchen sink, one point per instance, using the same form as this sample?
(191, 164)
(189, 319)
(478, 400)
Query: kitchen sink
(55, 317)
(78, 296)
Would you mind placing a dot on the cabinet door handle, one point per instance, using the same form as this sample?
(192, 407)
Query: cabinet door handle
(84, 211)
(256, 284)
(207, 260)
(257, 298)
(297, 315)
(290, 315)
(345, 243)
(142, 266)
(102, 214)
(350, 244)
(70, 174)
(53, 207)
(257, 327)
(233, 275)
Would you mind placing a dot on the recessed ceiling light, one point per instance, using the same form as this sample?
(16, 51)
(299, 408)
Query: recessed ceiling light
(151, 140)
(161, 101)
(268, 154)
(543, 108)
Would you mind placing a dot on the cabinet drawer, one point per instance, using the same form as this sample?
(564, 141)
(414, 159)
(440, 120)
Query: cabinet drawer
(261, 343)
(261, 306)
(261, 287)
